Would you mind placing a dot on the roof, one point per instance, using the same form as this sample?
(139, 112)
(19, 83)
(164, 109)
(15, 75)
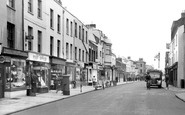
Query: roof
(108, 41)
(175, 26)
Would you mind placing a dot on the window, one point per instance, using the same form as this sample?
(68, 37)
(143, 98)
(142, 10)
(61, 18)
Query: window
(83, 55)
(71, 51)
(10, 35)
(39, 41)
(51, 45)
(75, 53)
(79, 32)
(30, 6)
(58, 48)
(67, 51)
(71, 29)
(100, 53)
(51, 19)
(86, 56)
(86, 36)
(83, 35)
(30, 33)
(75, 29)
(11, 3)
(39, 8)
(58, 23)
(16, 70)
(96, 54)
(79, 54)
(90, 54)
(67, 26)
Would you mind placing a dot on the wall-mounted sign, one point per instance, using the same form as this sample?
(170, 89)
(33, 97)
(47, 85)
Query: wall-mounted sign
(38, 57)
(2, 59)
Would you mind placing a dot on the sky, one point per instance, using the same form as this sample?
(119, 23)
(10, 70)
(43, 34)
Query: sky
(136, 28)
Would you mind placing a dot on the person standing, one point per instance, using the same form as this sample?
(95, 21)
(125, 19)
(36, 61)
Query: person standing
(148, 79)
(167, 81)
(94, 81)
(33, 83)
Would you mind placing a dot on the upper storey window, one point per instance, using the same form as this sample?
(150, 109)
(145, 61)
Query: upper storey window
(11, 3)
(30, 6)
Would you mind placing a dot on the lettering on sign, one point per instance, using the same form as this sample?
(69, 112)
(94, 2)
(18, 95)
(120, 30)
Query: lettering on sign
(38, 57)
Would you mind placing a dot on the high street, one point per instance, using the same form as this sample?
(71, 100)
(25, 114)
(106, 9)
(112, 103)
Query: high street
(128, 99)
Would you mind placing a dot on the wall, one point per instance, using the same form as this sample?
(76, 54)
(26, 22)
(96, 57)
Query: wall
(3, 22)
(31, 19)
(181, 57)
(14, 16)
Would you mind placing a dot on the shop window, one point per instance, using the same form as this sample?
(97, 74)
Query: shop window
(15, 75)
(41, 71)
(70, 72)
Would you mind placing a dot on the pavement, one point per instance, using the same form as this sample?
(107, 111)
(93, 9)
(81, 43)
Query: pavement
(179, 92)
(12, 105)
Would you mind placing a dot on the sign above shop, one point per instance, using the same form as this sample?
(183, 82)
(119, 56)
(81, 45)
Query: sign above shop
(38, 57)
(9, 51)
(2, 59)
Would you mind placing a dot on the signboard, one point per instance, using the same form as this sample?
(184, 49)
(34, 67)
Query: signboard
(38, 57)
(2, 59)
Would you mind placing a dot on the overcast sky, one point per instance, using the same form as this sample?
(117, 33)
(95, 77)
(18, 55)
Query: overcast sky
(137, 28)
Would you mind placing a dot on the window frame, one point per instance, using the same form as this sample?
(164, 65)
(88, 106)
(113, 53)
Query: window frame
(51, 18)
(39, 41)
(39, 9)
(30, 6)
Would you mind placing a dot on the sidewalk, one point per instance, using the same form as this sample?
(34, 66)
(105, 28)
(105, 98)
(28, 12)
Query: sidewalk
(11, 105)
(179, 92)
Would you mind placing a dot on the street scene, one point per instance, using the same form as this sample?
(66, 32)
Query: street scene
(125, 99)
(72, 57)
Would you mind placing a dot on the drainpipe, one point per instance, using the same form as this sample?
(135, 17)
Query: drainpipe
(23, 25)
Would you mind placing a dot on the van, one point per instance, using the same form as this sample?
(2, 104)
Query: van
(156, 78)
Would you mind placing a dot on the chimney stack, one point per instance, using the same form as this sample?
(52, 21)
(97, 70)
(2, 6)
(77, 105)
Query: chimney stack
(183, 14)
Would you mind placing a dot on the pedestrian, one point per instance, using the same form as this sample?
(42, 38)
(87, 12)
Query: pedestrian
(94, 81)
(148, 79)
(34, 81)
(167, 81)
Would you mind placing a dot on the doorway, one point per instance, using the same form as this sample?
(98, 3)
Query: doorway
(1, 83)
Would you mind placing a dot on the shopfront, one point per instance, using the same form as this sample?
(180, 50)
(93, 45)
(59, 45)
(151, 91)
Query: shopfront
(12, 73)
(70, 70)
(92, 71)
(57, 70)
(38, 65)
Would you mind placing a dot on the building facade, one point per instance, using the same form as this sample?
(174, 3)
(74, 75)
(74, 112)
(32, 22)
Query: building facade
(141, 65)
(176, 68)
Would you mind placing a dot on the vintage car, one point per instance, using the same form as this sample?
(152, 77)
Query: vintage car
(156, 77)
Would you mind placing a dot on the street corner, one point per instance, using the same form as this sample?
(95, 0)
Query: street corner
(180, 96)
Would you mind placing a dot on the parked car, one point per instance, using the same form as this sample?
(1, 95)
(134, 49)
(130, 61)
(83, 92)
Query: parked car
(156, 78)
(99, 85)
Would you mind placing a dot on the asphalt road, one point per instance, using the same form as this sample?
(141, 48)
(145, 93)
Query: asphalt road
(128, 99)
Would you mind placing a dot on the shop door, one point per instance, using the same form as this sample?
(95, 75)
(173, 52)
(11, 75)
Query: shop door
(1, 84)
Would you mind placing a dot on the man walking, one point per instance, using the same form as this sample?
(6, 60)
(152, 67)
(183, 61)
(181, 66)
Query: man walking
(167, 81)
(148, 78)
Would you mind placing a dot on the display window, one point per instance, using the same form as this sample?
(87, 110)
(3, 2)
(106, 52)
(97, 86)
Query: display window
(40, 69)
(70, 72)
(56, 71)
(15, 75)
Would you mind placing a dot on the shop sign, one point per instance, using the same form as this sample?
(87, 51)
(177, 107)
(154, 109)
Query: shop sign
(94, 66)
(38, 57)
(100, 67)
(2, 59)
(14, 52)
